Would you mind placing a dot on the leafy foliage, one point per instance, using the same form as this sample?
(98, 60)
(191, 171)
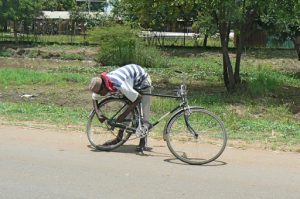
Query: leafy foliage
(155, 15)
(16, 10)
(25, 11)
(120, 45)
(58, 5)
(282, 18)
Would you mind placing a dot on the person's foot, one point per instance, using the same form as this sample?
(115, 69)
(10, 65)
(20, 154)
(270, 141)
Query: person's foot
(141, 149)
(142, 146)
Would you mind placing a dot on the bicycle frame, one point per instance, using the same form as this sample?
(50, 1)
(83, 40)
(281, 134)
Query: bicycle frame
(119, 125)
(166, 114)
(184, 105)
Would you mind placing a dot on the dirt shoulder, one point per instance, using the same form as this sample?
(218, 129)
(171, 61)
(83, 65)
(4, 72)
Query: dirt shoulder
(236, 144)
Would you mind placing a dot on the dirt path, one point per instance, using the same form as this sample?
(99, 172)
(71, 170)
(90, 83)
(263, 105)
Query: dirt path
(43, 163)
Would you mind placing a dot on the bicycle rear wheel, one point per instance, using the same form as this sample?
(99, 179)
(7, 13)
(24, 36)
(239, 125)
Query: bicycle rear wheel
(205, 143)
(100, 134)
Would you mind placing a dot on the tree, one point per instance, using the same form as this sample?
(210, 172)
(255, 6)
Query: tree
(244, 17)
(282, 19)
(19, 12)
(58, 5)
(155, 14)
(240, 16)
(3, 14)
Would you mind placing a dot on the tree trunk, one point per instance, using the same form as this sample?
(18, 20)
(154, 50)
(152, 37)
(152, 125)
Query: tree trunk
(227, 70)
(237, 77)
(205, 40)
(297, 44)
(240, 44)
(5, 26)
(15, 30)
(227, 66)
(4, 5)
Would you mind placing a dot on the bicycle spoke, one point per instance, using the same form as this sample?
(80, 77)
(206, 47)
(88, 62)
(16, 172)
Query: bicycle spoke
(198, 140)
(105, 135)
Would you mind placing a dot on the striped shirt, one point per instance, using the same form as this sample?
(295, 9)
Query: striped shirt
(128, 78)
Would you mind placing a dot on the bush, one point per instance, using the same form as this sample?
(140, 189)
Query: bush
(72, 56)
(7, 52)
(264, 83)
(120, 45)
(33, 53)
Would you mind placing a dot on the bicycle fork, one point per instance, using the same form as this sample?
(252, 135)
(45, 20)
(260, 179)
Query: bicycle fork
(187, 113)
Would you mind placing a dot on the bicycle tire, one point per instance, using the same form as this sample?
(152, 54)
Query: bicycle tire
(207, 147)
(99, 134)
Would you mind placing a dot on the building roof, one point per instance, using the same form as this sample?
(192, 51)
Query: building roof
(56, 14)
(65, 14)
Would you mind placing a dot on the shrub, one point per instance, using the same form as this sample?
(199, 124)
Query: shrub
(119, 45)
(72, 56)
(33, 53)
(149, 56)
(6, 52)
(264, 83)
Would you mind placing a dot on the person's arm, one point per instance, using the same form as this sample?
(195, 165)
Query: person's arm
(129, 109)
(130, 93)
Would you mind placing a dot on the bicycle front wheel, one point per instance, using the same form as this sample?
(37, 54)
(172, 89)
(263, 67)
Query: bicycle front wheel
(101, 135)
(196, 136)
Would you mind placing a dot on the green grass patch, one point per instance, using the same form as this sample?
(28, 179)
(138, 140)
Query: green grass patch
(265, 80)
(33, 54)
(52, 114)
(72, 57)
(199, 68)
(250, 122)
(6, 52)
(17, 77)
(80, 69)
(60, 39)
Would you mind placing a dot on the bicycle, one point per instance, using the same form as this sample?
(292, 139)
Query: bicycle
(193, 134)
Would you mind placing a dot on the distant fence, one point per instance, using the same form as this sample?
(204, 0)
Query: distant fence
(152, 38)
(43, 38)
(168, 39)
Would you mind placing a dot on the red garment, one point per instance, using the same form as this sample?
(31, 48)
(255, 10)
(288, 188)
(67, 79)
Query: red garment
(108, 82)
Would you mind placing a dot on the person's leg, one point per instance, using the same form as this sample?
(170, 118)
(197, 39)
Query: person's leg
(146, 113)
(119, 135)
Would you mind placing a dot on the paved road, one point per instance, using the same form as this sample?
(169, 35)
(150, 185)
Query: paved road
(37, 163)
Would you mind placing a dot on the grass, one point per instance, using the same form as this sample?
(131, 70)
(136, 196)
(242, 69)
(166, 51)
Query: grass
(6, 53)
(72, 57)
(60, 39)
(260, 112)
(51, 114)
(17, 77)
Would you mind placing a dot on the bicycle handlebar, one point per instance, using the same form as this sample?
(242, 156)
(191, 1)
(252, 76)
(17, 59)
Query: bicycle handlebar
(184, 76)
